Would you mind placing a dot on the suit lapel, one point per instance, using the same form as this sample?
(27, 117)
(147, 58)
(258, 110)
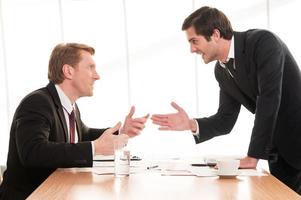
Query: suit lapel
(60, 112)
(63, 122)
(239, 87)
(77, 119)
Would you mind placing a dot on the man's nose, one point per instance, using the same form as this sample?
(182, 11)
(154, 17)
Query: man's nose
(192, 49)
(96, 76)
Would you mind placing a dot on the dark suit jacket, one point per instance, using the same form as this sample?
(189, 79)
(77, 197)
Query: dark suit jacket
(38, 143)
(267, 82)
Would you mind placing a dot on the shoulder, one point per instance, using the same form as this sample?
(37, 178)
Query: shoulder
(44, 95)
(258, 40)
(38, 101)
(39, 95)
(257, 31)
(261, 35)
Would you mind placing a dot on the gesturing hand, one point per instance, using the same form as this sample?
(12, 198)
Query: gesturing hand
(178, 121)
(104, 145)
(133, 126)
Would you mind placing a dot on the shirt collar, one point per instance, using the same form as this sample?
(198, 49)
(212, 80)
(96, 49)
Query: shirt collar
(230, 54)
(231, 51)
(65, 101)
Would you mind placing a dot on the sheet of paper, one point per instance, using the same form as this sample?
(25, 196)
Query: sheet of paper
(103, 158)
(203, 171)
(206, 171)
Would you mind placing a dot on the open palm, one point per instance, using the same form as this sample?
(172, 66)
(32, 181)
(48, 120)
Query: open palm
(178, 121)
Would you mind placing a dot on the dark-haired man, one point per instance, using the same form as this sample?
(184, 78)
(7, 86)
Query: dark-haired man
(254, 69)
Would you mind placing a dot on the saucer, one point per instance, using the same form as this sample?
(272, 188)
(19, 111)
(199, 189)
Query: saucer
(221, 175)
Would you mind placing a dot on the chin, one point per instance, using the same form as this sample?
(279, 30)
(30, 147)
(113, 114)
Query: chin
(205, 61)
(88, 94)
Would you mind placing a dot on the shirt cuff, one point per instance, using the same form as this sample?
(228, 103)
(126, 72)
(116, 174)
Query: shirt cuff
(197, 128)
(93, 149)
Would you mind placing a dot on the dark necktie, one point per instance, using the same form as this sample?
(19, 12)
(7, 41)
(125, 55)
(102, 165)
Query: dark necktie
(230, 67)
(72, 127)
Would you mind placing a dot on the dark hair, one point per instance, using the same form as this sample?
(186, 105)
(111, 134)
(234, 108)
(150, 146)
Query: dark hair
(65, 53)
(206, 19)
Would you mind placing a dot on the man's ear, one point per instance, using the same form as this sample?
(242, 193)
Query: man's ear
(68, 71)
(216, 35)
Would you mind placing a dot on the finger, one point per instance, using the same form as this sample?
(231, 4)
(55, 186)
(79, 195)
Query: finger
(160, 123)
(165, 119)
(176, 106)
(160, 115)
(164, 128)
(115, 128)
(132, 111)
(140, 120)
(134, 131)
(244, 164)
(146, 116)
(138, 125)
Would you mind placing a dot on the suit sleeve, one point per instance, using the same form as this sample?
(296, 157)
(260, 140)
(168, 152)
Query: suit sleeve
(222, 122)
(269, 58)
(40, 139)
(90, 134)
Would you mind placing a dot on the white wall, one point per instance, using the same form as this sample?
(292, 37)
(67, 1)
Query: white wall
(143, 59)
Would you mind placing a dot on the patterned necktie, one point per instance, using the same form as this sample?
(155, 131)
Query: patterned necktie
(72, 127)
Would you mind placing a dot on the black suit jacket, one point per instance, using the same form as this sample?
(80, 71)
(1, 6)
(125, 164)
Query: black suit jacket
(38, 143)
(267, 82)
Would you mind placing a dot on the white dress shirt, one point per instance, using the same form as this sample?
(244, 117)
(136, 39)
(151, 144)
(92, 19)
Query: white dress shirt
(230, 54)
(67, 108)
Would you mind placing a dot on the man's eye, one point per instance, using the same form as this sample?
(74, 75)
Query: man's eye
(193, 42)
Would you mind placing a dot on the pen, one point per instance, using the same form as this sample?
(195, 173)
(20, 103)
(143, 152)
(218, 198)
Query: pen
(203, 164)
(152, 167)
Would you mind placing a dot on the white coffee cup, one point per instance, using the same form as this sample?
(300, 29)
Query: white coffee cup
(228, 167)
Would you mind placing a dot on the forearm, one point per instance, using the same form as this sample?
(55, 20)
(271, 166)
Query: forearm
(57, 155)
(264, 126)
(92, 134)
(221, 123)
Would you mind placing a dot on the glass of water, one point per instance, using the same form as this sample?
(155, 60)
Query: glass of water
(121, 159)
